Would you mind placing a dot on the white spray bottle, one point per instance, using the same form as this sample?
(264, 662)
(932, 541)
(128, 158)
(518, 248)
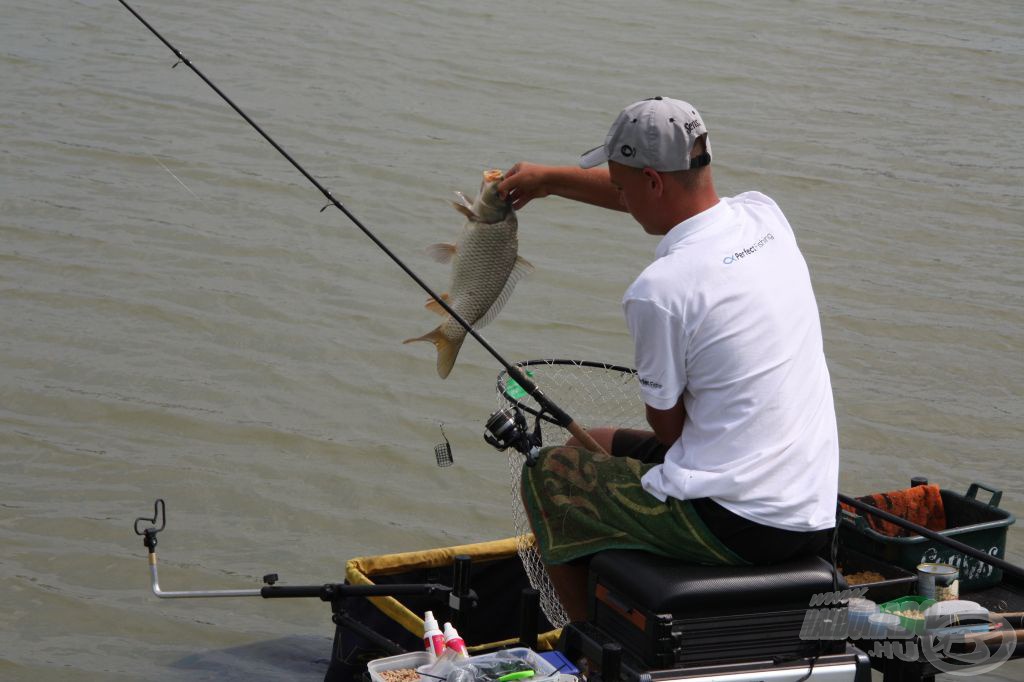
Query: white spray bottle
(433, 638)
(453, 641)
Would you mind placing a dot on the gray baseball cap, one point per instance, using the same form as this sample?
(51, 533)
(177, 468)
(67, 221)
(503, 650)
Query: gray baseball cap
(656, 133)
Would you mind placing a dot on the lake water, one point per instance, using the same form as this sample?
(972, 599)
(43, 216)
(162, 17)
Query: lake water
(180, 320)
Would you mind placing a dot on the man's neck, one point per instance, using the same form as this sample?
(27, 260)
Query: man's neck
(688, 204)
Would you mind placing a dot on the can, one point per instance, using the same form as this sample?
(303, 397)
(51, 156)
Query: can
(938, 581)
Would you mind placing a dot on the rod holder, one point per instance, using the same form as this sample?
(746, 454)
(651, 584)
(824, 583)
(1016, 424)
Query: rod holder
(459, 599)
(529, 610)
(611, 662)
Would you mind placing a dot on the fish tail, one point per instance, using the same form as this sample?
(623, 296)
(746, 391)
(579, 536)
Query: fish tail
(447, 349)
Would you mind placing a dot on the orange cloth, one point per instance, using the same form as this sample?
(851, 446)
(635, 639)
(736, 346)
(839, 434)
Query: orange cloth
(921, 504)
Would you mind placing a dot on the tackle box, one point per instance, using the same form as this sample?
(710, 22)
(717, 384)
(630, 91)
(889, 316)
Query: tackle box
(982, 525)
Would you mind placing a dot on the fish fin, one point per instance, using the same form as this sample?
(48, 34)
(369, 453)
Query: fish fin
(447, 350)
(442, 252)
(435, 307)
(465, 210)
(463, 200)
(519, 270)
(526, 265)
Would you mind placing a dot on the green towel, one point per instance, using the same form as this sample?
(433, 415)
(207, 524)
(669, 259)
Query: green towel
(581, 502)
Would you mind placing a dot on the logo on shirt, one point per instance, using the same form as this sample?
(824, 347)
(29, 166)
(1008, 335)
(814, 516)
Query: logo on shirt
(648, 383)
(749, 251)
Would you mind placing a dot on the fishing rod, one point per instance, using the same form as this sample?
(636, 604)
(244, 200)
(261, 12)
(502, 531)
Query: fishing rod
(560, 416)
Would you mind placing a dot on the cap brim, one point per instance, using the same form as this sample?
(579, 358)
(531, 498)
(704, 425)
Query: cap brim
(595, 157)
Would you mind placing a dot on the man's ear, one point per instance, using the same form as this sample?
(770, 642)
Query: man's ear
(654, 181)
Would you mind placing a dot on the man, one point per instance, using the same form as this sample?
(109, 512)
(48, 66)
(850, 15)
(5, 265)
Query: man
(742, 465)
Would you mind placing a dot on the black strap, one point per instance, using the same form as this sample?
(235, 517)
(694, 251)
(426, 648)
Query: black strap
(700, 161)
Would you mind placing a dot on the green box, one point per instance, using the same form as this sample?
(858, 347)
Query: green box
(981, 525)
(913, 603)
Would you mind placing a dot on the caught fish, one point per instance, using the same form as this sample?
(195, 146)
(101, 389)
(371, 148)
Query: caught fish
(485, 268)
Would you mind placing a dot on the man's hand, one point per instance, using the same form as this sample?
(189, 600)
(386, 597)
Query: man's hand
(524, 182)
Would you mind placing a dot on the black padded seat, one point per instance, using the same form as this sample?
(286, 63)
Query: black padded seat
(661, 585)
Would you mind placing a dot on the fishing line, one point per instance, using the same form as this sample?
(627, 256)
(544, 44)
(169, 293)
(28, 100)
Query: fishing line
(556, 412)
(187, 188)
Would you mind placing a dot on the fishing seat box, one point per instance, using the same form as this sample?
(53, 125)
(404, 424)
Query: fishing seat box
(982, 525)
(667, 615)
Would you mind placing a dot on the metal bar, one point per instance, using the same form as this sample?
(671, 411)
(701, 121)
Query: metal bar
(191, 594)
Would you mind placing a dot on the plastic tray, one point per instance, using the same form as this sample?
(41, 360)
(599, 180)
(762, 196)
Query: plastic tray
(543, 670)
(981, 525)
(898, 582)
(410, 660)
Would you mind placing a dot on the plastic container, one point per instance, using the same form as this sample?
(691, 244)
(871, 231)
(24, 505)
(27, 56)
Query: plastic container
(562, 664)
(859, 611)
(885, 626)
(543, 670)
(981, 525)
(956, 617)
(905, 604)
(414, 660)
(897, 582)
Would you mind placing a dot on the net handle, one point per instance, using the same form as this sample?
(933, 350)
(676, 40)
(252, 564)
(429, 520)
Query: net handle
(584, 437)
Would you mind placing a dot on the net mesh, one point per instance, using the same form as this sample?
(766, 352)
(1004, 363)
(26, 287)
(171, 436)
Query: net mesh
(595, 394)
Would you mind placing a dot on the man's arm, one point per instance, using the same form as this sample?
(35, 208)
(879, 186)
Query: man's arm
(527, 181)
(667, 424)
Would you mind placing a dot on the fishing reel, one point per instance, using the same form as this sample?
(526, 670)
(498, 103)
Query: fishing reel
(508, 428)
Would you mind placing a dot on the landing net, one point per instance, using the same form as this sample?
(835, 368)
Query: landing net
(594, 394)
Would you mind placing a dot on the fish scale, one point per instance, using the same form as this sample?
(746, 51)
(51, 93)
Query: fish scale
(485, 259)
(485, 269)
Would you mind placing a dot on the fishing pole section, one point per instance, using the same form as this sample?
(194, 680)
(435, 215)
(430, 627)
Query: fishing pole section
(556, 413)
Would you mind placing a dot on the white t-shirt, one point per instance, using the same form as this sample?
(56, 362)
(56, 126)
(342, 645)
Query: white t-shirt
(726, 317)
